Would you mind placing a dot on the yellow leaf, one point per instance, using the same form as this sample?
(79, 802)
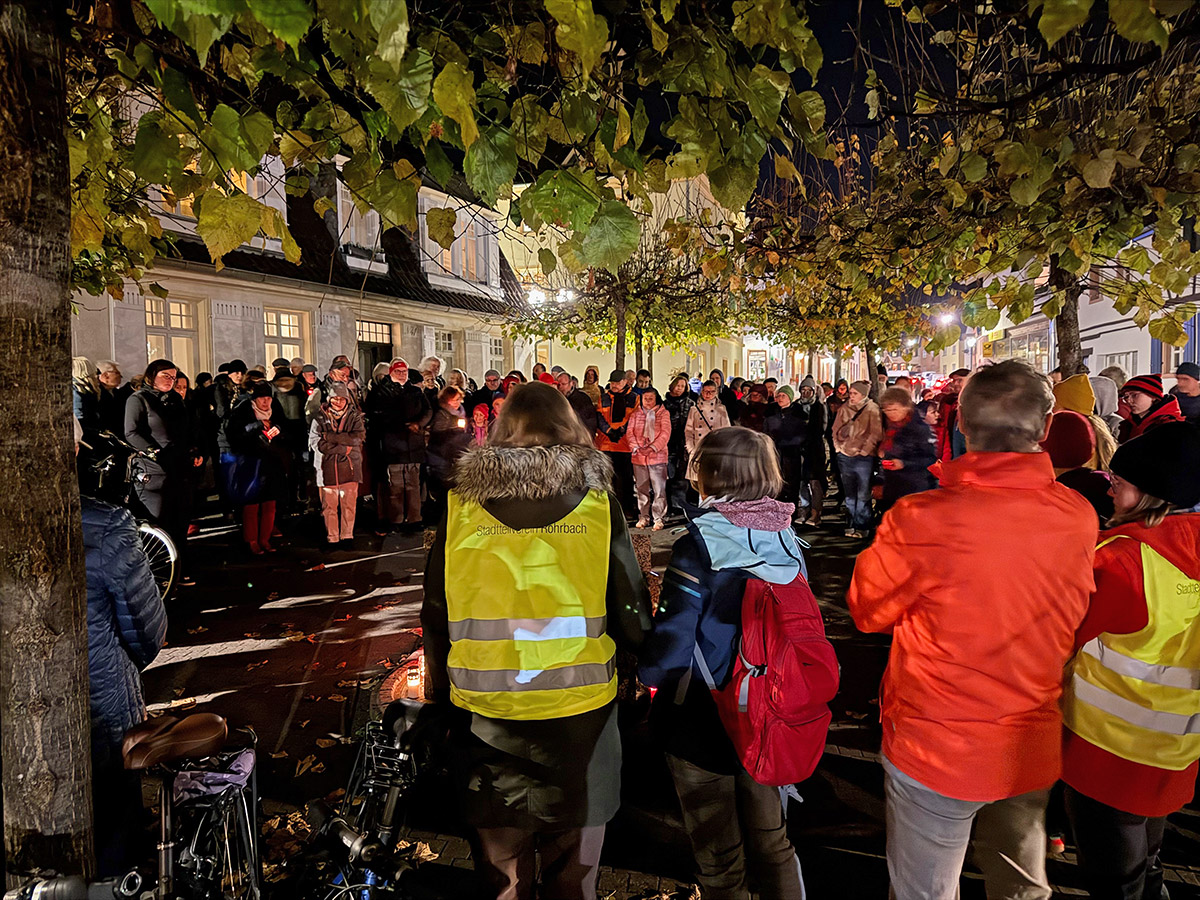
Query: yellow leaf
(785, 169)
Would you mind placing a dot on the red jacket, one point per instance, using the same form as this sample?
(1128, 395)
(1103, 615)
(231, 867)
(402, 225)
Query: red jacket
(947, 421)
(1119, 607)
(982, 585)
(1164, 410)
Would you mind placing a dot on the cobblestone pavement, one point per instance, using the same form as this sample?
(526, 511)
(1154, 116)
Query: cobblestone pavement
(298, 644)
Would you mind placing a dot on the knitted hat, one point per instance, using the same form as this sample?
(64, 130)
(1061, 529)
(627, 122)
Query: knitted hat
(1188, 369)
(546, 378)
(337, 389)
(1150, 385)
(1075, 393)
(1071, 440)
(261, 389)
(1164, 463)
(786, 389)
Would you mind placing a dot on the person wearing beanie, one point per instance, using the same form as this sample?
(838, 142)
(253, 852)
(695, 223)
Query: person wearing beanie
(787, 431)
(1187, 391)
(908, 449)
(857, 431)
(338, 433)
(810, 407)
(1148, 406)
(257, 432)
(1075, 393)
(1071, 444)
(1128, 762)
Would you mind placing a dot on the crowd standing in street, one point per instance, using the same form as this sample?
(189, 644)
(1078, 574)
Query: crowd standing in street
(1084, 486)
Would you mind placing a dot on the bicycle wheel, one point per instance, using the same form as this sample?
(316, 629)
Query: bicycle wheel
(220, 860)
(161, 554)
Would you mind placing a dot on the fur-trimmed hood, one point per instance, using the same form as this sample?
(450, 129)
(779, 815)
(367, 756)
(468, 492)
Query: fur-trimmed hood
(530, 473)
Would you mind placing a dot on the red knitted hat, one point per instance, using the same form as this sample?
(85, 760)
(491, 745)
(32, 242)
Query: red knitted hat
(1071, 440)
(1150, 385)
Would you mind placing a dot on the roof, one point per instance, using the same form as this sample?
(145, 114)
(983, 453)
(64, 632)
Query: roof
(405, 279)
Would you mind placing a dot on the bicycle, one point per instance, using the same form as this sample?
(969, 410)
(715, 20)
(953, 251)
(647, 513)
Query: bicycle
(359, 855)
(208, 822)
(111, 478)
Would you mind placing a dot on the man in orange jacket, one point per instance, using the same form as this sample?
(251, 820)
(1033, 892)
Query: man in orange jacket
(982, 585)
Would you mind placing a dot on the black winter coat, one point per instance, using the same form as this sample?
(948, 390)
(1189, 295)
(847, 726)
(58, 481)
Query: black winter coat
(915, 446)
(247, 438)
(449, 438)
(126, 619)
(585, 409)
(158, 422)
(391, 409)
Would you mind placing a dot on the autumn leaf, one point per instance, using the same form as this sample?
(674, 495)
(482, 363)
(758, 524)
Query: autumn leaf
(304, 765)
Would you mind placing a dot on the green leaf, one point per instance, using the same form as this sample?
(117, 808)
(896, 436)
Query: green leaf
(156, 156)
(947, 160)
(405, 96)
(227, 222)
(529, 122)
(438, 164)
(612, 236)
(765, 91)
(491, 163)
(454, 93)
(390, 18)
(439, 223)
(570, 252)
(1060, 16)
(810, 104)
(548, 261)
(973, 167)
(1168, 331)
(784, 168)
(668, 9)
(158, 290)
(288, 20)
(1136, 21)
(579, 30)
(178, 94)
(196, 28)
(1098, 171)
(1024, 191)
(560, 198)
(640, 120)
(395, 199)
(658, 37)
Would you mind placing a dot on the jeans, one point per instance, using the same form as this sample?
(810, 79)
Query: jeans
(651, 479)
(506, 858)
(736, 824)
(928, 835)
(1118, 851)
(856, 480)
(404, 493)
(341, 499)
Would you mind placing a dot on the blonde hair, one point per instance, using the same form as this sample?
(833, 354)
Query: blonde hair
(536, 414)
(457, 378)
(1106, 444)
(1149, 510)
(737, 464)
(1003, 408)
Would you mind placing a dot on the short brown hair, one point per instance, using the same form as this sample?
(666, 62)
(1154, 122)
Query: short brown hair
(896, 396)
(737, 464)
(1003, 408)
(536, 414)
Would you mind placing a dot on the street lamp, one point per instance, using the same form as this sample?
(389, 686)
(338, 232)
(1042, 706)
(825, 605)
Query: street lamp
(945, 319)
(971, 341)
(536, 296)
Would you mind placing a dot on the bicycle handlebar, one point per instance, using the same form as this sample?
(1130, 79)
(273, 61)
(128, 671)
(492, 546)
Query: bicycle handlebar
(72, 887)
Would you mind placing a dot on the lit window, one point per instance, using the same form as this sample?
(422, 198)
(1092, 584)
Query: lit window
(374, 332)
(171, 332)
(284, 332)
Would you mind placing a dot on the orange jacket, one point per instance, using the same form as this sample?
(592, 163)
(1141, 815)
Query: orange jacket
(610, 435)
(982, 585)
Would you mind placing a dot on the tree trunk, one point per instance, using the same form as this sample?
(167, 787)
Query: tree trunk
(837, 368)
(650, 358)
(44, 712)
(1066, 326)
(870, 377)
(638, 354)
(812, 364)
(621, 317)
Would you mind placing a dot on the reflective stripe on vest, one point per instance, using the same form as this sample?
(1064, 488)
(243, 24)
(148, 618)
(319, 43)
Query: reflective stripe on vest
(1138, 695)
(528, 614)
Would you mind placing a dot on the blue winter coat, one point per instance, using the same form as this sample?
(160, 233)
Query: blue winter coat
(701, 605)
(126, 619)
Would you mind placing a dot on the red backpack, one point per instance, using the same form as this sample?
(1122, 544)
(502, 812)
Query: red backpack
(775, 706)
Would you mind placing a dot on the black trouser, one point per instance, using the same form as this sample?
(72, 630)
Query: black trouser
(1118, 851)
(677, 484)
(622, 464)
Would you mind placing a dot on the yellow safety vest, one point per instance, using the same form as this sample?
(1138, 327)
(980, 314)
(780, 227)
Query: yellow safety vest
(1138, 695)
(527, 610)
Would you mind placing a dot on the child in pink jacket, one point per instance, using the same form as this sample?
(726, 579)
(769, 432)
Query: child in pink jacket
(648, 433)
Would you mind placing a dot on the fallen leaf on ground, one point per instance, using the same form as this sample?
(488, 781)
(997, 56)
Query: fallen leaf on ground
(351, 683)
(253, 666)
(274, 595)
(337, 698)
(319, 767)
(197, 629)
(179, 691)
(345, 618)
(326, 743)
(280, 755)
(341, 665)
(252, 634)
(304, 765)
(304, 724)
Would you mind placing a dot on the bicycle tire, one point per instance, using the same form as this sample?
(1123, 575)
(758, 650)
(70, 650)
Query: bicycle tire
(223, 851)
(161, 555)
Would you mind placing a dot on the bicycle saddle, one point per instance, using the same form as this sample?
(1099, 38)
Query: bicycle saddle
(167, 738)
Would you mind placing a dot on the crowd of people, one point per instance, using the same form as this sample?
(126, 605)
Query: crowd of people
(1055, 641)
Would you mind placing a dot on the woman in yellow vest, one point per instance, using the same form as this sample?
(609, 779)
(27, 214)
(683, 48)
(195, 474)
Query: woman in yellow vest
(531, 586)
(1132, 699)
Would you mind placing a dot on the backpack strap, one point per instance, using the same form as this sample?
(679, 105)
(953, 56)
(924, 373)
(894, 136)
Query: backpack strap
(686, 681)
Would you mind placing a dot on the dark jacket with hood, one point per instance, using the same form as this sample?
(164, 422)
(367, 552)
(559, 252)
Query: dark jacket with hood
(728, 398)
(915, 446)
(126, 619)
(701, 605)
(1165, 409)
(554, 773)
(392, 408)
